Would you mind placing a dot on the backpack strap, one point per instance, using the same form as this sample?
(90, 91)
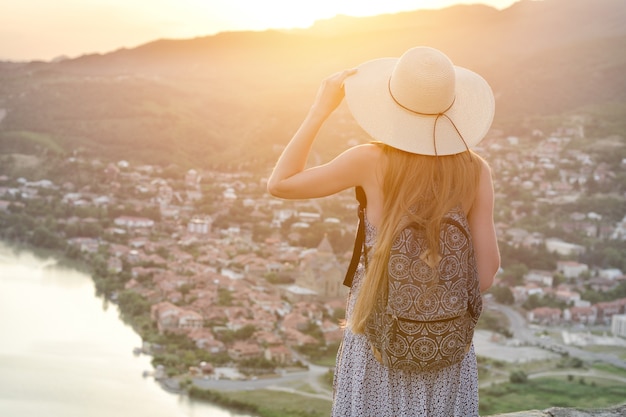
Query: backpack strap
(359, 240)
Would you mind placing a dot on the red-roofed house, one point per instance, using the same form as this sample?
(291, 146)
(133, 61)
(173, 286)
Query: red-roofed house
(244, 350)
(545, 315)
(586, 315)
(608, 309)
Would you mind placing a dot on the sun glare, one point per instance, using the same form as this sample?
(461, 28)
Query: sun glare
(73, 27)
(280, 14)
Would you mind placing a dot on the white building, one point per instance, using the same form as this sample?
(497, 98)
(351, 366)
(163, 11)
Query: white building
(543, 278)
(129, 221)
(618, 325)
(619, 233)
(563, 248)
(610, 273)
(200, 225)
(571, 269)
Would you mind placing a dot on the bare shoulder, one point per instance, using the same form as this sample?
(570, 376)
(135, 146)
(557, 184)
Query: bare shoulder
(485, 168)
(369, 160)
(368, 152)
(486, 181)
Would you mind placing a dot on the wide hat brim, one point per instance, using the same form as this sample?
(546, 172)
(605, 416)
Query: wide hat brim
(372, 106)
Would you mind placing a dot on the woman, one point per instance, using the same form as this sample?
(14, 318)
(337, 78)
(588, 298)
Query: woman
(424, 115)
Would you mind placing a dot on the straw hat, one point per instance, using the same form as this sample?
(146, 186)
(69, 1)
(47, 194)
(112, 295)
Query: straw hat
(421, 103)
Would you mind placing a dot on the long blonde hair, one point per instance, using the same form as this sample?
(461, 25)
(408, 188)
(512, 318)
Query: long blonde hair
(421, 189)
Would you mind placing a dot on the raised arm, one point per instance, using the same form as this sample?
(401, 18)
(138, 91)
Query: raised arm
(483, 231)
(289, 178)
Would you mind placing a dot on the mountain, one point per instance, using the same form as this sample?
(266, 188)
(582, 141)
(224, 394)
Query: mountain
(226, 100)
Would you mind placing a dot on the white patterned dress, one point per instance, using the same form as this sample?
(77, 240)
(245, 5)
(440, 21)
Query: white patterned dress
(365, 388)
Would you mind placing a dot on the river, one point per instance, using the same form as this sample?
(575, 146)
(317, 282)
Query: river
(65, 353)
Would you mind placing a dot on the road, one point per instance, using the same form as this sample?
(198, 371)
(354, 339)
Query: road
(523, 333)
(287, 383)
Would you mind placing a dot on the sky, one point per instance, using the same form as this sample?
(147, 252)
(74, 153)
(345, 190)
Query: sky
(46, 29)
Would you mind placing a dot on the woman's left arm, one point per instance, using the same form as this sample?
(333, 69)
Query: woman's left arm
(483, 230)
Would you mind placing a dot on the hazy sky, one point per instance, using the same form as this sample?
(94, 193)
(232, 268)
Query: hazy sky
(45, 29)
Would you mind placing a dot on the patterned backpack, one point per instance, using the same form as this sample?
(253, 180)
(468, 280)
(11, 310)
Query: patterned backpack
(427, 320)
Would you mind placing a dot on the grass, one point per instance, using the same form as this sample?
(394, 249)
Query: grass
(44, 140)
(569, 390)
(494, 371)
(329, 360)
(304, 388)
(538, 394)
(583, 392)
(281, 404)
(610, 369)
(618, 351)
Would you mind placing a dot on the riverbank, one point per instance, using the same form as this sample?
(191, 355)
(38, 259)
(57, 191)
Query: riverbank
(269, 392)
(65, 353)
(289, 394)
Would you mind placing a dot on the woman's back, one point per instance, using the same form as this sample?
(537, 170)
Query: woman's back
(416, 188)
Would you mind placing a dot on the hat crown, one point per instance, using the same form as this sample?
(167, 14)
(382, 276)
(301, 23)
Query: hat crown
(423, 81)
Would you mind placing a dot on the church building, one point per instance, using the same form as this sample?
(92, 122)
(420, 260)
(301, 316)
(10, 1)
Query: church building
(322, 272)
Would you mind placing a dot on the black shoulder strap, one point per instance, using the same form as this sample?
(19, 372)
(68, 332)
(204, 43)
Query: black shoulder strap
(359, 240)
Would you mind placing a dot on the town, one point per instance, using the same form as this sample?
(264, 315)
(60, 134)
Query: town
(256, 281)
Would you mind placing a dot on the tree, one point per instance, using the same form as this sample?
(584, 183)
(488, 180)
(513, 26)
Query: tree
(133, 304)
(261, 231)
(224, 297)
(535, 300)
(535, 257)
(245, 332)
(558, 279)
(518, 377)
(503, 294)
(44, 238)
(185, 289)
(514, 274)
(260, 363)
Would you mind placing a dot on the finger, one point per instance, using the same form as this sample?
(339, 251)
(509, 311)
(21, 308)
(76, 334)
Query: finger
(346, 73)
(342, 75)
